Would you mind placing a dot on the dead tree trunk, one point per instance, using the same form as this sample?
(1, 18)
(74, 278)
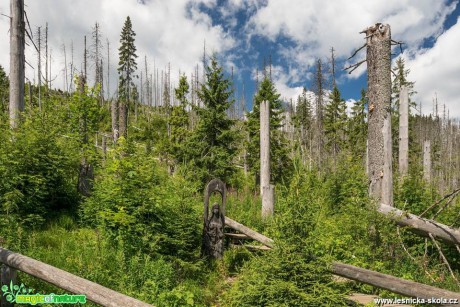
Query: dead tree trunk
(17, 61)
(123, 112)
(427, 160)
(403, 131)
(114, 113)
(266, 190)
(379, 123)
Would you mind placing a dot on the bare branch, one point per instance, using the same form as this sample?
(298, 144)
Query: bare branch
(410, 256)
(439, 201)
(356, 51)
(6, 16)
(354, 66)
(444, 258)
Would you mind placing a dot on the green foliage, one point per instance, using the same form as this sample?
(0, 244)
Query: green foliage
(212, 146)
(358, 127)
(280, 162)
(179, 122)
(141, 208)
(4, 90)
(335, 122)
(38, 169)
(127, 61)
(85, 113)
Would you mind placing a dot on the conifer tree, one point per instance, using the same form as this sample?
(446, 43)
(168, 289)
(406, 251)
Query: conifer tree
(358, 127)
(4, 90)
(335, 122)
(179, 120)
(280, 163)
(303, 120)
(212, 146)
(126, 70)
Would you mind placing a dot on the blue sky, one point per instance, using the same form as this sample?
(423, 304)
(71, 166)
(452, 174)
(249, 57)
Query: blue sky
(244, 32)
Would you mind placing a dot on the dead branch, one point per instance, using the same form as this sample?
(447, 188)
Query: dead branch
(444, 258)
(354, 66)
(357, 50)
(445, 206)
(439, 201)
(411, 257)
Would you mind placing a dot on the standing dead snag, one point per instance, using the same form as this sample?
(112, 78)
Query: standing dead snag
(378, 41)
(266, 189)
(17, 61)
(403, 131)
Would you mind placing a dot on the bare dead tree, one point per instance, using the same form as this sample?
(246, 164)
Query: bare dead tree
(17, 61)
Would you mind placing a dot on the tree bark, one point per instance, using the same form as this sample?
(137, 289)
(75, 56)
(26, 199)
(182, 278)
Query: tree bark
(265, 189)
(403, 131)
(249, 232)
(394, 284)
(114, 113)
(17, 61)
(420, 225)
(379, 122)
(427, 160)
(123, 112)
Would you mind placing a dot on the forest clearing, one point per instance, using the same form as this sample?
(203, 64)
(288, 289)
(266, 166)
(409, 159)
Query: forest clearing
(177, 189)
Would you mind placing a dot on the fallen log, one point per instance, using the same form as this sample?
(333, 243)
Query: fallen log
(397, 285)
(249, 232)
(67, 281)
(420, 225)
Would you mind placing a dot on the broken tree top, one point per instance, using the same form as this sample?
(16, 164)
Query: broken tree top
(377, 32)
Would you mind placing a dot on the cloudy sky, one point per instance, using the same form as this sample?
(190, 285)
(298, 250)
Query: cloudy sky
(244, 32)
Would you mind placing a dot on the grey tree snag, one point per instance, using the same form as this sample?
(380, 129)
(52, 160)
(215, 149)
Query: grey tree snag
(427, 160)
(114, 114)
(266, 190)
(379, 123)
(403, 131)
(17, 61)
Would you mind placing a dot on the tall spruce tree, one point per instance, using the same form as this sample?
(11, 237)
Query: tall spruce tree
(358, 127)
(303, 121)
(126, 70)
(280, 162)
(335, 122)
(179, 121)
(212, 147)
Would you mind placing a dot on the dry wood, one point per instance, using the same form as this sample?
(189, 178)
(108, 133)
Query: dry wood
(266, 190)
(427, 160)
(379, 118)
(403, 131)
(62, 279)
(384, 281)
(444, 259)
(249, 232)
(17, 61)
(391, 283)
(420, 225)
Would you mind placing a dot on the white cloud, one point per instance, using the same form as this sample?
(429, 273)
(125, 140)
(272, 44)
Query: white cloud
(436, 72)
(315, 26)
(166, 31)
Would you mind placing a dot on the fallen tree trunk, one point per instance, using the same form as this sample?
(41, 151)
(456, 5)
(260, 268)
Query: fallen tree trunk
(249, 232)
(420, 225)
(397, 285)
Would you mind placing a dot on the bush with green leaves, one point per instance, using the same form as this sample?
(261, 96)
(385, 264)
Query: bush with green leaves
(139, 206)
